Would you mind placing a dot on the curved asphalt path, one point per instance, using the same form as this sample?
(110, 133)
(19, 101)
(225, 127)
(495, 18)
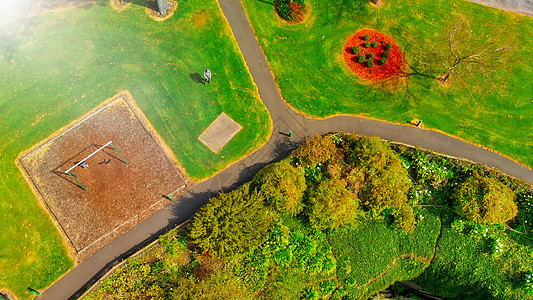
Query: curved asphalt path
(278, 146)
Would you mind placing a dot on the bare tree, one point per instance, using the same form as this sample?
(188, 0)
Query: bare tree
(460, 55)
(471, 57)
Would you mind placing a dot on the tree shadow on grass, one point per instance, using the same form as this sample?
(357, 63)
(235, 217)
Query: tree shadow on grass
(267, 2)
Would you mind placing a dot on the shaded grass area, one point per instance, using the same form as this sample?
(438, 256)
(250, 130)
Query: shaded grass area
(465, 266)
(372, 255)
(58, 65)
(306, 60)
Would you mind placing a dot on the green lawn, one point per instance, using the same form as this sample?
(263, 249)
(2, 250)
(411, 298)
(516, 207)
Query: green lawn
(59, 65)
(307, 62)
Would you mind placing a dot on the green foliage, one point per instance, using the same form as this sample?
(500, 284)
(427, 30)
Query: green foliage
(366, 37)
(525, 215)
(485, 200)
(369, 63)
(331, 205)
(367, 45)
(373, 255)
(465, 266)
(282, 185)
(385, 54)
(370, 56)
(528, 283)
(430, 170)
(388, 46)
(374, 44)
(292, 248)
(230, 223)
(404, 218)
(356, 50)
(382, 61)
(361, 58)
(318, 149)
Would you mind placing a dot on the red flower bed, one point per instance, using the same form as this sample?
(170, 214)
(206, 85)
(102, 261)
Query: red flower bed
(393, 65)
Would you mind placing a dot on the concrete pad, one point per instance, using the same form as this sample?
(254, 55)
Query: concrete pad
(221, 131)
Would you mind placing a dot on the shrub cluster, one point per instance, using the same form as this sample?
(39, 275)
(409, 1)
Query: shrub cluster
(369, 63)
(370, 56)
(374, 44)
(366, 37)
(361, 58)
(382, 61)
(385, 54)
(367, 45)
(388, 46)
(356, 50)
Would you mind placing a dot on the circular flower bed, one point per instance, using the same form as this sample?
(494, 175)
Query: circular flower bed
(372, 55)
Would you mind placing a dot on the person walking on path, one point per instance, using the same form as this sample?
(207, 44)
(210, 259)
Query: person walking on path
(207, 75)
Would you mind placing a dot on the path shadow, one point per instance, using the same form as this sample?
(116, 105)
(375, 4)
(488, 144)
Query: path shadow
(181, 210)
(197, 78)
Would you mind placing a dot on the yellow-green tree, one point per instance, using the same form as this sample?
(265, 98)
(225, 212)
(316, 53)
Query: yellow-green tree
(485, 200)
(332, 205)
(385, 181)
(283, 186)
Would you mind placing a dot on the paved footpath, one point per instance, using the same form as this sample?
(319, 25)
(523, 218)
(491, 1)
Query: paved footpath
(278, 146)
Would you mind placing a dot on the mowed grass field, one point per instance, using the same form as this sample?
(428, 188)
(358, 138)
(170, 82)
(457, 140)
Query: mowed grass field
(307, 62)
(58, 65)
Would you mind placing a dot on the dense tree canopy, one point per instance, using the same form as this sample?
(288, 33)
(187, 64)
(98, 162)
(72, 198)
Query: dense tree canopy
(331, 205)
(230, 223)
(385, 181)
(283, 186)
(485, 200)
(318, 149)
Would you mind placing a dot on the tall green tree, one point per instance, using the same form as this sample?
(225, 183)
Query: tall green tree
(231, 223)
(283, 186)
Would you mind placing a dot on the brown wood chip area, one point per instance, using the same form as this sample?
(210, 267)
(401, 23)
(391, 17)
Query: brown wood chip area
(119, 195)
